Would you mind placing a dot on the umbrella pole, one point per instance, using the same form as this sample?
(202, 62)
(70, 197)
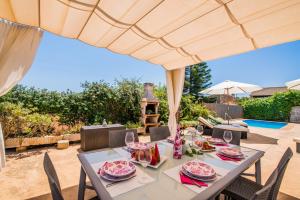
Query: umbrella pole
(227, 106)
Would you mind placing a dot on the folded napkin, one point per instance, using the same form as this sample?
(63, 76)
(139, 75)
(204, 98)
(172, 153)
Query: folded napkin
(228, 158)
(187, 180)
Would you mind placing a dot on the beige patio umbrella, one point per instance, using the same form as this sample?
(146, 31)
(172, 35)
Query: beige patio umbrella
(230, 87)
(293, 85)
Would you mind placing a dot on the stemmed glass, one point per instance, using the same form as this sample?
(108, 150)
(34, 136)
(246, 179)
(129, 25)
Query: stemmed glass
(227, 136)
(145, 158)
(200, 130)
(129, 139)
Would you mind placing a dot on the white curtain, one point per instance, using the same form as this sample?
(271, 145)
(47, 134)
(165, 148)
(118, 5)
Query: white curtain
(18, 46)
(175, 81)
(2, 149)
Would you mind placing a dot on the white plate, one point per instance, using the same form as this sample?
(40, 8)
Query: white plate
(114, 179)
(199, 169)
(231, 152)
(199, 178)
(118, 168)
(162, 160)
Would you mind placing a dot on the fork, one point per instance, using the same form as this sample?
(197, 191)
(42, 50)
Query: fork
(197, 184)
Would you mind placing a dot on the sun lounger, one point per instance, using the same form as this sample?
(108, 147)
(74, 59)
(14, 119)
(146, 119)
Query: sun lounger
(219, 120)
(210, 125)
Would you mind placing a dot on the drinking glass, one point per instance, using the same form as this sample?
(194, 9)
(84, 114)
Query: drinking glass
(129, 139)
(145, 158)
(200, 130)
(227, 136)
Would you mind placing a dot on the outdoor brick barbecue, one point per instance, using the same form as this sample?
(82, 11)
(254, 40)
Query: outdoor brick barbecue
(149, 108)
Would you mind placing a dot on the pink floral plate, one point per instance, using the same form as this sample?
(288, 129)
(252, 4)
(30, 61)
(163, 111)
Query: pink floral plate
(205, 179)
(215, 141)
(138, 146)
(118, 168)
(231, 152)
(199, 169)
(112, 178)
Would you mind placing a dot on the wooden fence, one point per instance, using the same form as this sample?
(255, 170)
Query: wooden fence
(235, 111)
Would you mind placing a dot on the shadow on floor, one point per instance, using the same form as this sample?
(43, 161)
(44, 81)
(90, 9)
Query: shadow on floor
(283, 196)
(71, 194)
(68, 193)
(254, 138)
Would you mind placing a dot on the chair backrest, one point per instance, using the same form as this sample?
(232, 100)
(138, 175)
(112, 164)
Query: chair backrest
(159, 133)
(263, 194)
(236, 135)
(281, 167)
(52, 178)
(116, 138)
(206, 123)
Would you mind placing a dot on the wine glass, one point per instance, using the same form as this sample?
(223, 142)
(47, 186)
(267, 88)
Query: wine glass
(200, 129)
(227, 136)
(129, 139)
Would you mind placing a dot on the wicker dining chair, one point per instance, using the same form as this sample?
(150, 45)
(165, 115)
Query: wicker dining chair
(236, 135)
(245, 189)
(282, 165)
(159, 133)
(53, 179)
(248, 186)
(117, 137)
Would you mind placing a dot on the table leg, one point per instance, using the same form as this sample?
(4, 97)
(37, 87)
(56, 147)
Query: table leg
(258, 172)
(82, 184)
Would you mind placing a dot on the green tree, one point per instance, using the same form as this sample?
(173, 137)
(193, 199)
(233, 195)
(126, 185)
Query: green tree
(197, 78)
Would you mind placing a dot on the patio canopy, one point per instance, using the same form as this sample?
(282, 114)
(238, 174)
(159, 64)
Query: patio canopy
(171, 33)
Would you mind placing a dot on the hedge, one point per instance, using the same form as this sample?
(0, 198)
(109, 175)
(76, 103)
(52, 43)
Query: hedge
(117, 103)
(274, 108)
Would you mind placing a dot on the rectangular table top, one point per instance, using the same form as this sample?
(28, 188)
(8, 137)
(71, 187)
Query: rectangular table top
(165, 187)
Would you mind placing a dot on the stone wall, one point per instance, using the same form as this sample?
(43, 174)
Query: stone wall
(295, 114)
(235, 111)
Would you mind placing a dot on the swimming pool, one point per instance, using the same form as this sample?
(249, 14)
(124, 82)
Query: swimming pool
(265, 124)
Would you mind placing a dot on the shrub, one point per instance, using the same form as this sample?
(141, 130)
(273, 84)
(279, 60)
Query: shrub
(18, 121)
(190, 110)
(274, 108)
(185, 124)
(160, 92)
(126, 107)
(133, 125)
(117, 103)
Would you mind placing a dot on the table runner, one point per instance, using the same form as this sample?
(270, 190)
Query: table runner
(124, 186)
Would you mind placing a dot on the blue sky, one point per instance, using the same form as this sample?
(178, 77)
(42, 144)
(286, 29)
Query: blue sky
(62, 64)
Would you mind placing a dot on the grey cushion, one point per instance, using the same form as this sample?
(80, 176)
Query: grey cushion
(159, 133)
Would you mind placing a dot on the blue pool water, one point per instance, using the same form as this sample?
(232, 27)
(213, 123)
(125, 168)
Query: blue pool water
(265, 124)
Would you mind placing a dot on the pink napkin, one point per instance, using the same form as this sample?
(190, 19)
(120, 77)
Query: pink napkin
(227, 158)
(187, 180)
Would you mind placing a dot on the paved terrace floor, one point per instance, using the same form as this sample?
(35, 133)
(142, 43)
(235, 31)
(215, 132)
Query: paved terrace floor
(24, 177)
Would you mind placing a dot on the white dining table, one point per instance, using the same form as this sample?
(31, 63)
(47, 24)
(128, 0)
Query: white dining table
(164, 186)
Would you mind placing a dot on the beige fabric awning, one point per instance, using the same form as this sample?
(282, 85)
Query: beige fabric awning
(172, 33)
